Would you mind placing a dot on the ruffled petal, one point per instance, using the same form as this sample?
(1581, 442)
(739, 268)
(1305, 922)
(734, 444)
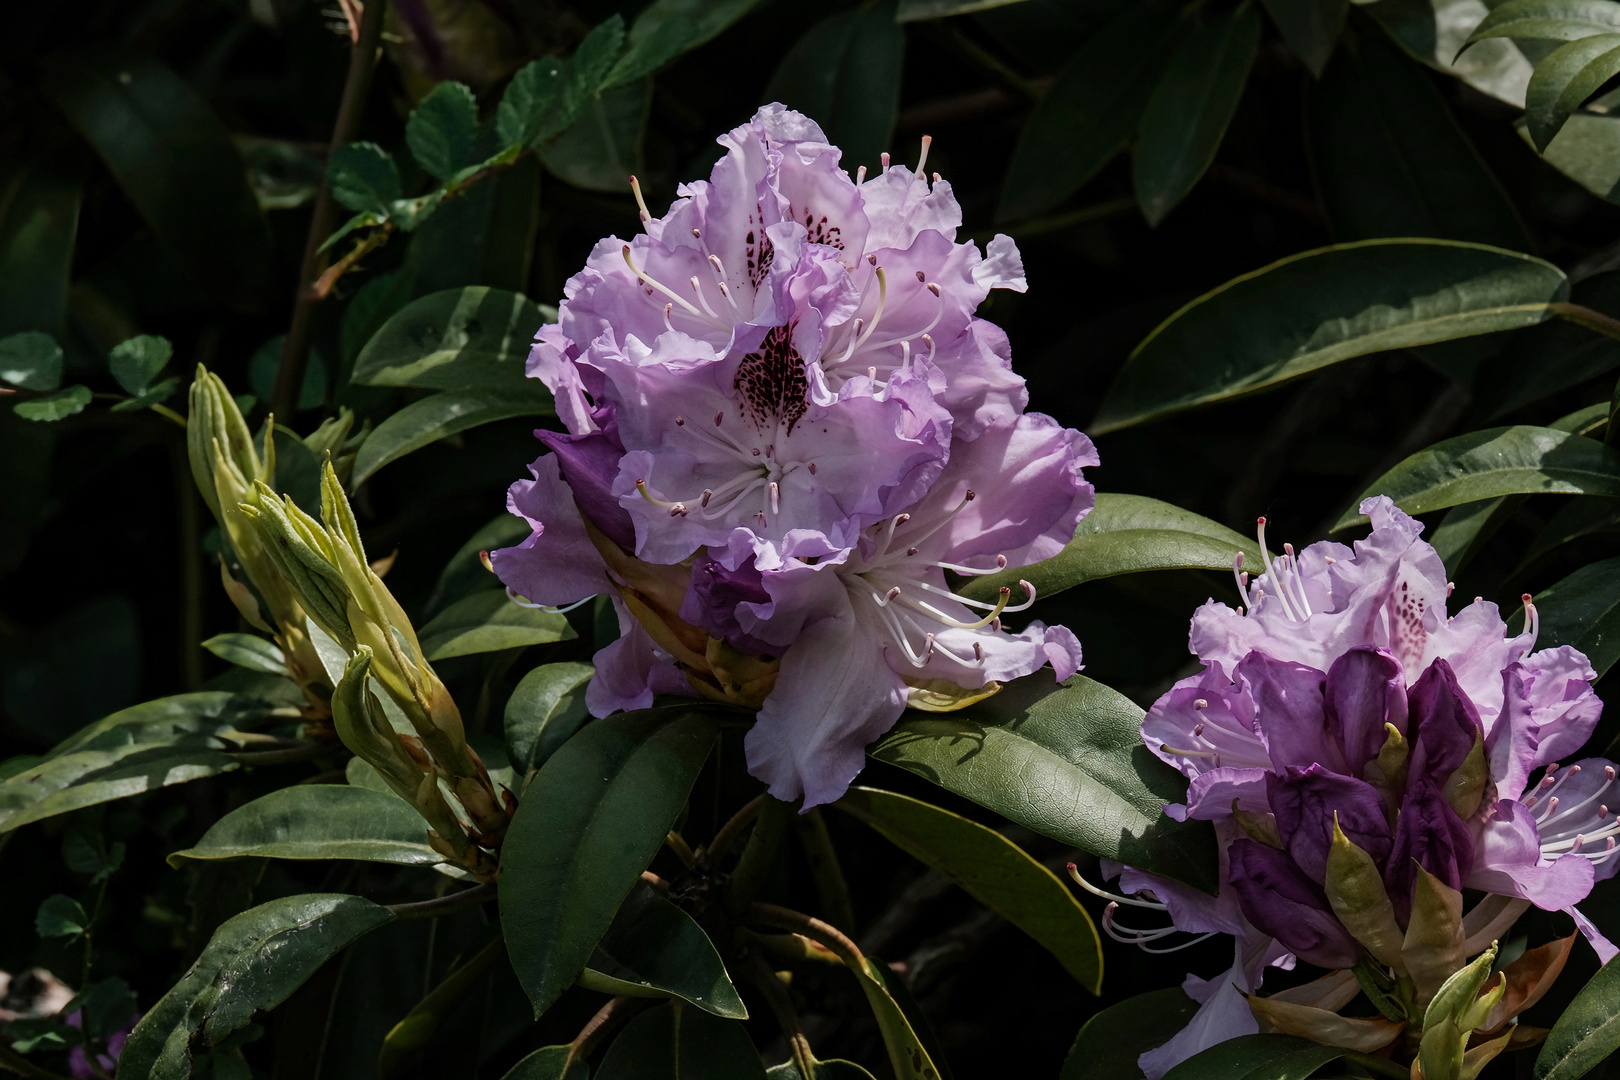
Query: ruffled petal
(558, 564)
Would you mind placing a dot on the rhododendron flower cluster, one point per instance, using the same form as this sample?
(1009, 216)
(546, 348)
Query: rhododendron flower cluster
(1365, 757)
(786, 427)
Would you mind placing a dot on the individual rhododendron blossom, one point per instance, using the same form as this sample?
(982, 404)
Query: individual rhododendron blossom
(786, 427)
(1365, 757)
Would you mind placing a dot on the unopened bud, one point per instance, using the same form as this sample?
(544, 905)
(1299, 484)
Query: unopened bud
(214, 416)
(1355, 888)
(1453, 1013)
(1260, 827)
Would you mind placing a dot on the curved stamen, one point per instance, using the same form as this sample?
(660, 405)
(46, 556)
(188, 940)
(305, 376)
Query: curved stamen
(654, 283)
(1532, 622)
(922, 159)
(641, 204)
(676, 509)
(697, 288)
(522, 603)
(1104, 894)
(1271, 573)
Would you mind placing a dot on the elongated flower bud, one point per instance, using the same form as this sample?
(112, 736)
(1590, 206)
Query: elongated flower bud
(215, 417)
(302, 552)
(1455, 1011)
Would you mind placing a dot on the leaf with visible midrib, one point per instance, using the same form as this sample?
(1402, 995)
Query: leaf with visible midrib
(1066, 761)
(458, 339)
(424, 422)
(319, 821)
(1320, 307)
(487, 621)
(1582, 610)
(1587, 1032)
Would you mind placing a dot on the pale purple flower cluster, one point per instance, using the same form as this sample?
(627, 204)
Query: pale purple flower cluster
(1339, 647)
(781, 384)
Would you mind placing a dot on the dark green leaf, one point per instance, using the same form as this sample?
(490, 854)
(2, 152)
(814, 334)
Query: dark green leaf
(60, 916)
(39, 220)
(672, 1042)
(1432, 32)
(363, 178)
(249, 651)
(1576, 519)
(836, 1069)
(136, 362)
(1125, 534)
(298, 471)
(1187, 115)
(319, 821)
(41, 1033)
(544, 711)
(588, 68)
(1111, 1041)
(655, 949)
(424, 422)
(1498, 461)
(485, 236)
(1311, 28)
(1587, 1032)
(1467, 526)
(588, 826)
(1554, 356)
(377, 301)
(171, 155)
(1582, 610)
(262, 373)
(992, 869)
(152, 395)
(442, 129)
(844, 73)
(459, 339)
(1090, 111)
(57, 406)
(550, 1063)
(465, 574)
(667, 28)
(201, 719)
(104, 1007)
(1389, 158)
(31, 360)
(919, 10)
(487, 621)
(1067, 761)
(1587, 150)
(603, 149)
(1257, 1057)
(527, 102)
(1320, 307)
(91, 855)
(1564, 80)
(1548, 20)
(253, 962)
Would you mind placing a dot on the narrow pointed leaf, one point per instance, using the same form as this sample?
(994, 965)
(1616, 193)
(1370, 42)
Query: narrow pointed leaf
(1311, 28)
(487, 621)
(458, 339)
(667, 28)
(424, 422)
(39, 222)
(319, 821)
(1564, 80)
(1548, 20)
(249, 651)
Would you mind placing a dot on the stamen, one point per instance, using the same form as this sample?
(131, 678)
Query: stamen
(704, 300)
(860, 176)
(884, 159)
(1532, 621)
(927, 141)
(667, 324)
(776, 498)
(653, 283)
(635, 186)
(522, 603)
(675, 509)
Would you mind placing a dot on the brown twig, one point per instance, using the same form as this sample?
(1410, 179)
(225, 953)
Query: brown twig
(604, 1023)
(811, 927)
(1595, 321)
(377, 238)
(787, 1017)
(362, 61)
(444, 905)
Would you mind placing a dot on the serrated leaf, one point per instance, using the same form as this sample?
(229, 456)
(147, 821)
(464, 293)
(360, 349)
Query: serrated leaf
(60, 917)
(249, 651)
(1067, 761)
(31, 360)
(136, 362)
(602, 147)
(458, 339)
(442, 129)
(546, 707)
(1564, 80)
(1320, 307)
(488, 621)
(319, 821)
(653, 948)
(57, 406)
(588, 68)
(364, 179)
(424, 422)
(527, 103)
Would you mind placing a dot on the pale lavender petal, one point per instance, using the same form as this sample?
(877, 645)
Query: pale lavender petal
(1475, 643)
(1224, 1014)
(1211, 794)
(1564, 707)
(901, 204)
(1003, 266)
(631, 670)
(1605, 949)
(1205, 722)
(1510, 748)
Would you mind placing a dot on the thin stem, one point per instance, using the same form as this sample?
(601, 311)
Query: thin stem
(811, 927)
(682, 850)
(169, 414)
(607, 1020)
(444, 905)
(787, 1017)
(731, 829)
(1595, 321)
(376, 239)
(757, 858)
(831, 887)
(362, 61)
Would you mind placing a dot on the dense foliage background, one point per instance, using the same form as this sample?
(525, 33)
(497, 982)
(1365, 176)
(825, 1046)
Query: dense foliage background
(159, 166)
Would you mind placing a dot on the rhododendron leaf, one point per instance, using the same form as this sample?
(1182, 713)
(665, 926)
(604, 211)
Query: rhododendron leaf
(1110, 1041)
(1125, 534)
(550, 1063)
(442, 129)
(992, 869)
(465, 573)
(1587, 150)
(424, 422)
(1320, 307)
(589, 825)
(1582, 610)
(667, 28)
(1554, 356)
(38, 225)
(319, 821)
(487, 621)
(919, 10)
(1090, 111)
(363, 178)
(57, 406)
(1548, 20)
(1432, 32)
(253, 962)
(458, 339)
(675, 1041)
(1067, 761)
(136, 362)
(1257, 1057)
(1310, 27)
(249, 651)
(1487, 464)
(1187, 115)
(544, 711)
(1587, 1032)
(1564, 80)
(31, 360)
(845, 72)
(655, 949)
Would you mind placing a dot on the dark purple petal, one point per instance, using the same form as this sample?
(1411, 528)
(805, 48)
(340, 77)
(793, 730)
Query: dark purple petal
(1429, 833)
(1288, 710)
(1279, 899)
(1365, 690)
(1444, 721)
(589, 463)
(712, 601)
(1306, 802)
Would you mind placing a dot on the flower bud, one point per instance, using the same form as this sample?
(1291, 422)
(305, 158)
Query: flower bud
(302, 553)
(1355, 888)
(1433, 947)
(1455, 1011)
(214, 417)
(1387, 771)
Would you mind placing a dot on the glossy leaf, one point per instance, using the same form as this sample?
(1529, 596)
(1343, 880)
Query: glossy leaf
(253, 962)
(1576, 519)
(1311, 28)
(588, 69)
(40, 201)
(1320, 307)
(319, 821)
(673, 1042)
(424, 422)
(528, 100)
(654, 949)
(1582, 610)
(1090, 111)
(603, 148)
(136, 362)
(442, 129)
(1564, 80)
(667, 28)
(249, 651)
(458, 339)
(1586, 1033)
(1187, 115)
(57, 406)
(1067, 761)
(844, 73)
(1125, 534)
(487, 621)
(587, 827)
(1389, 158)
(1111, 1040)
(1257, 1057)
(170, 154)
(546, 707)
(31, 360)
(550, 1063)
(1498, 461)
(363, 177)
(207, 718)
(1548, 20)
(992, 869)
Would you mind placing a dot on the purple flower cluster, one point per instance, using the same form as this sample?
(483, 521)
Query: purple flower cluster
(1345, 698)
(785, 427)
